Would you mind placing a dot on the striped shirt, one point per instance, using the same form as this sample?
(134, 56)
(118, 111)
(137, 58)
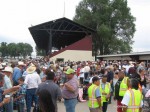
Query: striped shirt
(68, 94)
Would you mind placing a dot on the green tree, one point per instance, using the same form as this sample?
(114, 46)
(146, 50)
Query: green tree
(27, 49)
(3, 49)
(12, 50)
(113, 22)
(20, 49)
(39, 52)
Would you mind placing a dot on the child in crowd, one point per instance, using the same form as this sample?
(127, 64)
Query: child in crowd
(20, 96)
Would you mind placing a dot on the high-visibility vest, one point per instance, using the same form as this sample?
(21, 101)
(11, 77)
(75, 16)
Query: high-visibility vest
(105, 90)
(92, 102)
(123, 86)
(135, 100)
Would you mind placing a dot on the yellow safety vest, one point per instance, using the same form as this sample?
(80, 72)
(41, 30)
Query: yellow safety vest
(123, 86)
(135, 100)
(92, 102)
(105, 90)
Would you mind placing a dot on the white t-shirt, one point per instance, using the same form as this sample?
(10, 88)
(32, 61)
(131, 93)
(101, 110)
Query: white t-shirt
(81, 73)
(86, 69)
(32, 80)
(126, 99)
(91, 79)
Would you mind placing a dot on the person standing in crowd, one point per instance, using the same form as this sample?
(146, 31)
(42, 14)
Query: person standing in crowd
(105, 90)
(142, 78)
(20, 96)
(86, 71)
(18, 71)
(4, 101)
(45, 101)
(8, 71)
(110, 76)
(42, 74)
(115, 79)
(70, 91)
(32, 81)
(132, 99)
(121, 87)
(81, 76)
(93, 75)
(94, 96)
(141, 66)
(52, 88)
(78, 69)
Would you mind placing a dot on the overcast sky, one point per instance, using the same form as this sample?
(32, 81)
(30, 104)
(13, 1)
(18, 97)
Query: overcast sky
(17, 15)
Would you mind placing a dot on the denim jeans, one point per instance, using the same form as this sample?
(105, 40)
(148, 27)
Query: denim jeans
(70, 105)
(31, 96)
(9, 106)
(21, 107)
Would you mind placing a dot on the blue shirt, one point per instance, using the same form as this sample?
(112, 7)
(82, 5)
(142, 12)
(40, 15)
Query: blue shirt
(21, 91)
(1, 99)
(17, 74)
(97, 93)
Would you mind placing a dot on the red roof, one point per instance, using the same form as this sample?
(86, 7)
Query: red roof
(83, 44)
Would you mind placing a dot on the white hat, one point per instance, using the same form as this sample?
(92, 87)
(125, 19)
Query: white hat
(8, 69)
(1, 67)
(3, 64)
(31, 68)
(21, 63)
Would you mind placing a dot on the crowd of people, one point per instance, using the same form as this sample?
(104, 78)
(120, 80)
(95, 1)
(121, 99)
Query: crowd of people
(40, 83)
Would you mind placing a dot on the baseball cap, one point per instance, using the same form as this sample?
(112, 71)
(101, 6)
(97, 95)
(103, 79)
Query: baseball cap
(70, 71)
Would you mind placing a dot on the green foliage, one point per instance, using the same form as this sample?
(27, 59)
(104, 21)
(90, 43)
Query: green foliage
(3, 49)
(39, 52)
(13, 49)
(113, 22)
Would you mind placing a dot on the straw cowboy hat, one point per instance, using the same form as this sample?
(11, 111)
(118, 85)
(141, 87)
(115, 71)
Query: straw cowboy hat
(8, 69)
(31, 68)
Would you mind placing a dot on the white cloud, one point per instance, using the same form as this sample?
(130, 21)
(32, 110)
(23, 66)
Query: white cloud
(139, 9)
(17, 15)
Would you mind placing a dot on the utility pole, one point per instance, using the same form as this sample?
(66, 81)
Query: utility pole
(64, 9)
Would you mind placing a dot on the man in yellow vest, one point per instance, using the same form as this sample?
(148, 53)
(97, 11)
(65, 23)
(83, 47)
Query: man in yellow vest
(105, 89)
(132, 99)
(94, 96)
(121, 87)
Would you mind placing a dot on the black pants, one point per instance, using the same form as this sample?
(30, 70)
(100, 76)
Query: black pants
(86, 75)
(112, 87)
(81, 80)
(104, 108)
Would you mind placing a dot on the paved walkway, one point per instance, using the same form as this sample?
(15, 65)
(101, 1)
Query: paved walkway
(82, 107)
